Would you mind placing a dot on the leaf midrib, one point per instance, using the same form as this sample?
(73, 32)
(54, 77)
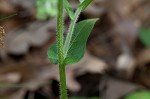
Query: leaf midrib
(75, 39)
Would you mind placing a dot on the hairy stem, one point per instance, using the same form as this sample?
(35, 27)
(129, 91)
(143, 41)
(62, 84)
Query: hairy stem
(60, 31)
(63, 91)
(70, 32)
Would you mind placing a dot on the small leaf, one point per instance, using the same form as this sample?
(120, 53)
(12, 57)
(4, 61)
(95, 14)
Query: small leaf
(52, 53)
(77, 45)
(84, 4)
(78, 41)
(145, 36)
(69, 9)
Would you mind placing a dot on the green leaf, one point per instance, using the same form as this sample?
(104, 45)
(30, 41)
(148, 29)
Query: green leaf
(77, 45)
(69, 9)
(145, 36)
(139, 95)
(84, 4)
(78, 42)
(52, 53)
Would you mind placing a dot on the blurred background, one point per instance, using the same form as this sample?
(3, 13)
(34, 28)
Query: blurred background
(116, 64)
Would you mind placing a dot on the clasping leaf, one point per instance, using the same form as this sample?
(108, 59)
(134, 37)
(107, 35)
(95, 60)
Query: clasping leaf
(78, 43)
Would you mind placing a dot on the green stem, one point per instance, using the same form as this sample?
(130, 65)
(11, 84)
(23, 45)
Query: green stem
(7, 17)
(63, 91)
(70, 32)
(60, 31)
